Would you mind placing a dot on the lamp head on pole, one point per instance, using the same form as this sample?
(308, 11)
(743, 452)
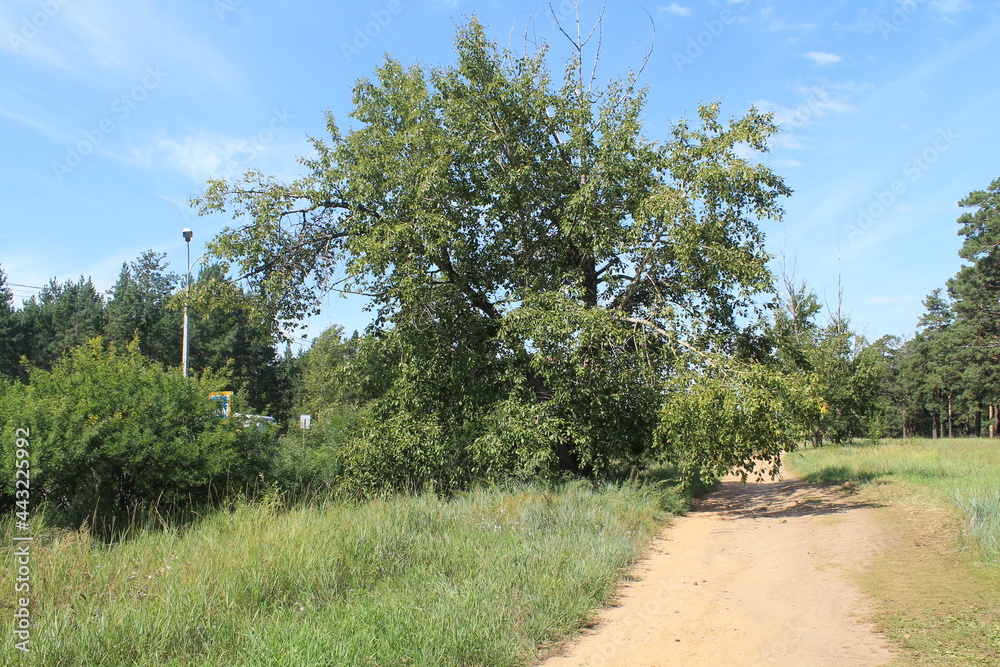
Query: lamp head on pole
(187, 234)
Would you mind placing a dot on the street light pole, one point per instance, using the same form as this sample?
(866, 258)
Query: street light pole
(187, 294)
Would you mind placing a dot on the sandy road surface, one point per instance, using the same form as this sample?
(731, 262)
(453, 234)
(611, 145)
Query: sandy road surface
(755, 574)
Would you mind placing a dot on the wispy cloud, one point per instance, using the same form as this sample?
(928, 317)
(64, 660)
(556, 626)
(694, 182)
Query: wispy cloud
(816, 102)
(36, 124)
(95, 40)
(676, 10)
(892, 16)
(822, 58)
(199, 156)
(202, 155)
(948, 8)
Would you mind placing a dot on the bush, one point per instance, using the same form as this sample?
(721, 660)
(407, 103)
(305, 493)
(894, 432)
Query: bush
(311, 460)
(111, 430)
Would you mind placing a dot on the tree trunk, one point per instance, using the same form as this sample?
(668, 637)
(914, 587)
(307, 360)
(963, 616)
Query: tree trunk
(951, 417)
(993, 421)
(935, 423)
(978, 428)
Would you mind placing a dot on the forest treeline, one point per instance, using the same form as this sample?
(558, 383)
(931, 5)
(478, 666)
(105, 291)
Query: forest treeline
(940, 382)
(146, 305)
(553, 295)
(73, 343)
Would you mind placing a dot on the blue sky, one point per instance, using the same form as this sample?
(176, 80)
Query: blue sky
(113, 115)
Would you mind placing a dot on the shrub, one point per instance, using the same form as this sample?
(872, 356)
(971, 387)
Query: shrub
(312, 459)
(110, 430)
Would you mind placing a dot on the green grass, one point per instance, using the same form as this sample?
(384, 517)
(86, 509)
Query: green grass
(484, 578)
(936, 580)
(963, 474)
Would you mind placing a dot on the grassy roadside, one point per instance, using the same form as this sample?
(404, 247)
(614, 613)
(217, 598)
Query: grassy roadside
(937, 582)
(486, 578)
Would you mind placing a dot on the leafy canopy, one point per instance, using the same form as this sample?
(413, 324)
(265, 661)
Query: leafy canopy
(537, 266)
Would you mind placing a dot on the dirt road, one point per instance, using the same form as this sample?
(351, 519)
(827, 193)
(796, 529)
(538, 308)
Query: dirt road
(755, 574)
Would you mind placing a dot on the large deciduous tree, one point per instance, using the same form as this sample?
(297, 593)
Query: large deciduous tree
(537, 266)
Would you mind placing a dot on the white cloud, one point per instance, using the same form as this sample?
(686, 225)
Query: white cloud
(200, 156)
(821, 58)
(788, 141)
(676, 10)
(816, 102)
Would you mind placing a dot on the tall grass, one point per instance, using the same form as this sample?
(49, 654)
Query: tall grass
(962, 473)
(484, 578)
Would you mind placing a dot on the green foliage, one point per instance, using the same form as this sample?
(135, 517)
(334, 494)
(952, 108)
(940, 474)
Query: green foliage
(736, 417)
(140, 310)
(949, 372)
(535, 263)
(976, 286)
(311, 460)
(110, 430)
(61, 318)
(847, 371)
(324, 382)
(225, 336)
(147, 307)
(10, 348)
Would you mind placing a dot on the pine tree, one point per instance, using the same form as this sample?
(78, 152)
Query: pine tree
(62, 317)
(140, 309)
